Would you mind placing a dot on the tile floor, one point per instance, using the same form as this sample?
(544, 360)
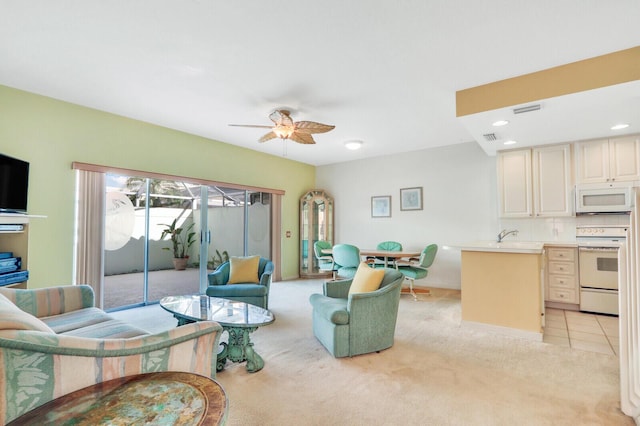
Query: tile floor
(578, 330)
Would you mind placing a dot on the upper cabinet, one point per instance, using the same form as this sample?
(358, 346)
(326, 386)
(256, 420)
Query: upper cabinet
(514, 183)
(608, 160)
(535, 182)
(552, 181)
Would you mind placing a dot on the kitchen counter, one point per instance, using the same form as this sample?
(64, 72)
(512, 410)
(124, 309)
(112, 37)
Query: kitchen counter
(509, 246)
(502, 287)
(504, 246)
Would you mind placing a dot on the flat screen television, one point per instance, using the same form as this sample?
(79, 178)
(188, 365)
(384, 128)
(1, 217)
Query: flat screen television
(14, 183)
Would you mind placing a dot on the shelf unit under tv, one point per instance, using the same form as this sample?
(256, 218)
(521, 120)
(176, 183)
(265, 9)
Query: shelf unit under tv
(16, 241)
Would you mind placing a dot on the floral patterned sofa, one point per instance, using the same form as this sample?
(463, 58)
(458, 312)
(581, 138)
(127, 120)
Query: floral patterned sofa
(53, 341)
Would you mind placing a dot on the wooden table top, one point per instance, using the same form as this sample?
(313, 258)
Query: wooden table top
(174, 398)
(383, 253)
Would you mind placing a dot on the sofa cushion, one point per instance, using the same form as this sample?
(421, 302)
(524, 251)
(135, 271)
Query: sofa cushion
(330, 308)
(366, 279)
(111, 329)
(13, 318)
(237, 290)
(73, 320)
(244, 269)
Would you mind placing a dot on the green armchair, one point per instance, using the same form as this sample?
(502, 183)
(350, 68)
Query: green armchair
(353, 324)
(253, 293)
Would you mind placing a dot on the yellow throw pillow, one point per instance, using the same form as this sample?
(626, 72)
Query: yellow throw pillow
(366, 279)
(244, 270)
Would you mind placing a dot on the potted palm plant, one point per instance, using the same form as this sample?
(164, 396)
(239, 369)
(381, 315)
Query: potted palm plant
(181, 240)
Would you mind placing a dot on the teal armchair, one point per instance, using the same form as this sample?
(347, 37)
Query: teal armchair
(359, 323)
(253, 293)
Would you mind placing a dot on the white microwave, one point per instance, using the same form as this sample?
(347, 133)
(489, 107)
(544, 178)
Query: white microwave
(604, 198)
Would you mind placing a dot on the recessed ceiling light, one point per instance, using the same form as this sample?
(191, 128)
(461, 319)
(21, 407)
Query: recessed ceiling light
(500, 123)
(353, 145)
(620, 126)
(509, 142)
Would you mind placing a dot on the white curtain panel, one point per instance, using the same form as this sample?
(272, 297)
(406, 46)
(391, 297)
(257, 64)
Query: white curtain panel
(89, 264)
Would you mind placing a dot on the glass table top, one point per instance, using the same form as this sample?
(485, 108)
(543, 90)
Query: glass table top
(198, 307)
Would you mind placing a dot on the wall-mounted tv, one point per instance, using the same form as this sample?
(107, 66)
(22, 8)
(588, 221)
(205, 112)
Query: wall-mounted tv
(14, 183)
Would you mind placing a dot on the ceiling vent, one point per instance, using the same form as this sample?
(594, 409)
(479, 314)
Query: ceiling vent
(490, 137)
(527, 108)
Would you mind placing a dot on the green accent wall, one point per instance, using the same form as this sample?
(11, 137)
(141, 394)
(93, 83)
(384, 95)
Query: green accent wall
(51, 134)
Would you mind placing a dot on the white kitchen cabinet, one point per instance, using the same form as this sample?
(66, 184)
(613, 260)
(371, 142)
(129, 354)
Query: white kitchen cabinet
(552, 181)
(514, 183)
(535, 182)
(561, 284)
(608, 160)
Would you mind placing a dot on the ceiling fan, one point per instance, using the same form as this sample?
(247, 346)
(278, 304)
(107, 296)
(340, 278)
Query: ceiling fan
(285, 128)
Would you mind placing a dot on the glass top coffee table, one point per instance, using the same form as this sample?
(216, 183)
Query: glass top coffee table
(238, 319)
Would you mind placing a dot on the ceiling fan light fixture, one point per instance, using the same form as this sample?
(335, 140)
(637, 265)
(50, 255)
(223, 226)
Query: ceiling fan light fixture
(353, 144)
(286, 129)
(283, 132)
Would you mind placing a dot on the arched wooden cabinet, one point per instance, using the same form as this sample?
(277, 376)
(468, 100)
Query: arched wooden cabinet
(316, 223)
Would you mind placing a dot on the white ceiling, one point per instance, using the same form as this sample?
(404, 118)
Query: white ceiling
(384, 72)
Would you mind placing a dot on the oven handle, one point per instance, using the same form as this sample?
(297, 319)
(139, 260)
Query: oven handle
(597, 249)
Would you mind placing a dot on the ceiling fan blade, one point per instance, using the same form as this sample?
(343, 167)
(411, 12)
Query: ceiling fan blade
(312, 127)
(268, 137)
(303, 138)
(281, 117)
(251, 125)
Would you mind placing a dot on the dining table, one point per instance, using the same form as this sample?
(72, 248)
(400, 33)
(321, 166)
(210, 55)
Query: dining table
(386, 254)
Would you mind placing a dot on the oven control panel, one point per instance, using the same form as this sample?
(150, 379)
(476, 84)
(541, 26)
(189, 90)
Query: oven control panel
(602, 231)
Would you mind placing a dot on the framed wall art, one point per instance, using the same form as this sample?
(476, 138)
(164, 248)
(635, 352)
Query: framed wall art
(381, 206)
(411, 198)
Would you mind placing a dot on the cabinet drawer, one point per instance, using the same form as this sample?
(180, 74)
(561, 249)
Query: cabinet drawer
(562, 282)
(563, 254)
(567, 268)
(563, 295)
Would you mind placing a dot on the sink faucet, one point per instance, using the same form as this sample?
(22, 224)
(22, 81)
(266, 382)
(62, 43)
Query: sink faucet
(504, 233)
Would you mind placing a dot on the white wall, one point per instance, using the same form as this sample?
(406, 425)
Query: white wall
(460, 202)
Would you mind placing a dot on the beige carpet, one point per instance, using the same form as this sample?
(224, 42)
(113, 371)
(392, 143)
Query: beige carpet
(437, 373)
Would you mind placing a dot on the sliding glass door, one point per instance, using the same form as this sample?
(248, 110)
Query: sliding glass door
(141, 257)
(144, 267)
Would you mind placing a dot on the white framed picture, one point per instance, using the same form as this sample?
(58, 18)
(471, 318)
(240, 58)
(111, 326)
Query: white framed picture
(381, 206)
(411, 198)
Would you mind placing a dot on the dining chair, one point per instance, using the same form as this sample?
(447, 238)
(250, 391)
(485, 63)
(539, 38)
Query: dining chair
(415, 269)
(379, 261)
(325, 261)
(347, 259)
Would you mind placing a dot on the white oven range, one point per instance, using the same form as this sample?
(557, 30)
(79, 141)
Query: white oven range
(598, 247)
